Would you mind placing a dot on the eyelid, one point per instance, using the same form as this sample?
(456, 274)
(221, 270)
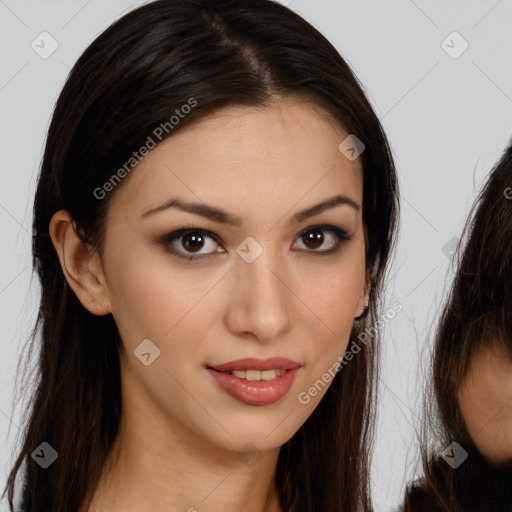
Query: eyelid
(167, 240)
(341, 235)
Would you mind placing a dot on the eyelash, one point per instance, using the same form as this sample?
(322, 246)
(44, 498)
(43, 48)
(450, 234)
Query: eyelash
(340, 234)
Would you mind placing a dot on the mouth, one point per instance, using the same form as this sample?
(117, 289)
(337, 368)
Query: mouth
(256, 381)
(254, 375)
(252, 364)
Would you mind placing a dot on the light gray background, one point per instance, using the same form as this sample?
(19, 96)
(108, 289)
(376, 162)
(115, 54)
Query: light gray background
(447, 119)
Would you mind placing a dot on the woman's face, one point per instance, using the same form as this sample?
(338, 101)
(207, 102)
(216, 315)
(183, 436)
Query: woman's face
(486, 401)
(271, 284)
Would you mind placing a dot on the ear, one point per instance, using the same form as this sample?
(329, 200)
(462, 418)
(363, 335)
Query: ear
(365, 294)
(80, 264)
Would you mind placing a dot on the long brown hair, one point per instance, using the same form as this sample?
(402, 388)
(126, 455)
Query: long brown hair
(130, 80)
(478, 312)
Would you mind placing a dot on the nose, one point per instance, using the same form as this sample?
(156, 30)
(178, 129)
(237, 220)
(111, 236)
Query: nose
(261, 301)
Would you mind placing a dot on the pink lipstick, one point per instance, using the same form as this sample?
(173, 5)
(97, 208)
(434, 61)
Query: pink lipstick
(256, 381)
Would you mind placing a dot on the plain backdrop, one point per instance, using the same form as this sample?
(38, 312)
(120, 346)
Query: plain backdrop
(446, 109)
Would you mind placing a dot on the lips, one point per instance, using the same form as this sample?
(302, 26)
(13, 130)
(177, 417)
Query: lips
(273, 363)
(253, 381)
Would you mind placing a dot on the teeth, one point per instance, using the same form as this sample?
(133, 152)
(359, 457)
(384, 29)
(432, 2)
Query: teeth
(257, 374)
(253, 375)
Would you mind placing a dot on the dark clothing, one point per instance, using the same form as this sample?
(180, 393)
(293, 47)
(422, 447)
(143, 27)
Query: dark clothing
(474, 487)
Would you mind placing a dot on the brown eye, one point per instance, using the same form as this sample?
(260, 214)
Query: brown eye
(313, 238)
(318, 236)
(192, 242)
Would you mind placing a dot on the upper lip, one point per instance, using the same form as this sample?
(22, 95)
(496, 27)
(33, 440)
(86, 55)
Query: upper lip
(250, 363)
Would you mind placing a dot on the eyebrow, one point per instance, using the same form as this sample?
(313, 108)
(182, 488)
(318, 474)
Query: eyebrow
(224, 217)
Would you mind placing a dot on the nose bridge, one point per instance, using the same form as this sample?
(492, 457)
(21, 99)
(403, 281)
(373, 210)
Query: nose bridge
(262, 302)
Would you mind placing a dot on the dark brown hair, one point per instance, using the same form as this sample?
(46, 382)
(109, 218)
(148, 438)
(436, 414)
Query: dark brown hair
(478, 312)
(127, 82)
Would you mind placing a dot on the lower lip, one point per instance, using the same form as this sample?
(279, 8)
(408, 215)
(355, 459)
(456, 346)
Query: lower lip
(255, 392)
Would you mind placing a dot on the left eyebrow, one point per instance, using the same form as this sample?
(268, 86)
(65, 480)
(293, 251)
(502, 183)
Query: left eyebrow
(339, 200)
(224, 217)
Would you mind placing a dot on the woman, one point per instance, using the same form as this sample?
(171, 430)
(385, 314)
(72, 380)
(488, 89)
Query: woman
(213, 220)
(469, 466)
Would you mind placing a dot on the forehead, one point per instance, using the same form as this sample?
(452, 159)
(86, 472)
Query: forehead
(257, 160)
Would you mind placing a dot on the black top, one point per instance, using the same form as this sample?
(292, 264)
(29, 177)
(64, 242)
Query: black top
(479, 487)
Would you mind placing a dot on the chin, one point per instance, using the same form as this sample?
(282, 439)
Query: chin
(498, 454)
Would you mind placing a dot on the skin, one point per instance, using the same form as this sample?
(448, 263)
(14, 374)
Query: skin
(485, 400)
(181, 436)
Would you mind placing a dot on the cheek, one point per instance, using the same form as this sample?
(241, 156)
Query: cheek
(334, 292)
(335, 299)
(486, 405)
(152, 299)
(335, 304)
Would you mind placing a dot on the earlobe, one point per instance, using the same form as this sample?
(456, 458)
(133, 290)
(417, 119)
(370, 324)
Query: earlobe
(364, 305)
(365, 297)
(80, 264)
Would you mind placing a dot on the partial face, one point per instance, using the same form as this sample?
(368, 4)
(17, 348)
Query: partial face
(261, 276)
(486, 402)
